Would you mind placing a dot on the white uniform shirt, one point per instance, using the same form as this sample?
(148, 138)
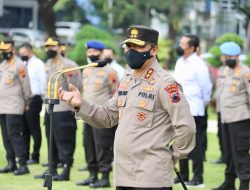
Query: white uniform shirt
(36, 71)
(192, 73)
(118, 68)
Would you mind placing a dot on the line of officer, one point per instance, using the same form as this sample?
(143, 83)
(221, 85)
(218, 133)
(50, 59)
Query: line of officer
(64, 124)
(98, 87)
(234, 87)
(15, 93)
(155, 126)
(36, 71)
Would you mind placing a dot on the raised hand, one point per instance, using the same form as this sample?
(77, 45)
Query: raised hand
(72, 97)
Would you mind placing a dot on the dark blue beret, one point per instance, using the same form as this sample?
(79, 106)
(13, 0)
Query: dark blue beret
(95, 45)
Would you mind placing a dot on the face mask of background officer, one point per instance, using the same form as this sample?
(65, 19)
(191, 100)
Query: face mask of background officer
(25, 53)
(186, 46)
(8, 51)
(108, 55)
(94, 51)
(230, 54)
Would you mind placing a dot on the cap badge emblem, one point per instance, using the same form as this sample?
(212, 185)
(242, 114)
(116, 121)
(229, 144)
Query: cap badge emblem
(134, 32)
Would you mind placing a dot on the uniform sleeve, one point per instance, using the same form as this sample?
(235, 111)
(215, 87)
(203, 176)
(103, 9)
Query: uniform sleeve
(175, 104)
(205, 83)
(25, 83)
(74, 77)
(104, 116)
(247, 83)
(113, 80)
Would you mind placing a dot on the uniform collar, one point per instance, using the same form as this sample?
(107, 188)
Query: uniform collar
(150, 72)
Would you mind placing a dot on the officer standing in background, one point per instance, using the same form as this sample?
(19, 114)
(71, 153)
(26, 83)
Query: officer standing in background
(192, 73)
(64, 121)
(15, 94)
(155, 126)
(221, 159)
(234, 86)
(109, 55)
(99, 84)
(36, 71)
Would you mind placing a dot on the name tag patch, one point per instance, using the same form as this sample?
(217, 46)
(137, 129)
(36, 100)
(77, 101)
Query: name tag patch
(146, 95)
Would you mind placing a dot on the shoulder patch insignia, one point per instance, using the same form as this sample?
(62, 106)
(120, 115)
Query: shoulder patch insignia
(149, 73)
(21, 72)
(112, 77)
(173, 92)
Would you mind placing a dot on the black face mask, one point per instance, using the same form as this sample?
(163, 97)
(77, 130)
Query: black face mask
(25, 58)
(63, 54)
(180, 51)
(109, 60)
(231, 63)
(51, 54)
(93, 58)
(136, 59)
(7, 55)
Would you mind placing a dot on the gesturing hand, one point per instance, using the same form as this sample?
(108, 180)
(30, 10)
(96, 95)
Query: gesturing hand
(72, 97)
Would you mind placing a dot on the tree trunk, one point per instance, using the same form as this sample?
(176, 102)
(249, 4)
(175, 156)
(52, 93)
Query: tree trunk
(248, 36)
(48, 16)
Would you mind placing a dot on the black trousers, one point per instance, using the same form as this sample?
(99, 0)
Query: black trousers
(14, 137)
(98, 147)
(204, 136)
(195, 155)
(64, 136)
(137, 188)
(32, 125)
(236, 141)
(219, 134)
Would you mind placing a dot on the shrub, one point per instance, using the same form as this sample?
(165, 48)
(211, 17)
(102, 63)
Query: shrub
(86, 33)
(215, 51)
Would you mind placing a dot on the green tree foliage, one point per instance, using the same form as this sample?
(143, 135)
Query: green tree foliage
(129, 12)
(68, 10)
(215, 51)
(164, 50)
(88, 32)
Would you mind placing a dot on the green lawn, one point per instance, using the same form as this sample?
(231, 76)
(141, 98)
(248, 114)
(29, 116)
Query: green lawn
(213, 173)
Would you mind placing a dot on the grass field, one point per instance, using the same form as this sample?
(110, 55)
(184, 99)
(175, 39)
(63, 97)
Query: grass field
(213, 174)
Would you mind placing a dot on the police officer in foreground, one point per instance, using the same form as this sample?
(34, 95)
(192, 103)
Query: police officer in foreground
(99, 84)
(234, 87)
(155, 126)
(64, 122)
(15, 94)
(36, 71)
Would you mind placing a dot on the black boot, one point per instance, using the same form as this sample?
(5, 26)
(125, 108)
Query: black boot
(41, 176)
(64, 176)
(101, 183)
(92, 179)
(228, 184)
(23, 169)
(11, 167)
(244, 185)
